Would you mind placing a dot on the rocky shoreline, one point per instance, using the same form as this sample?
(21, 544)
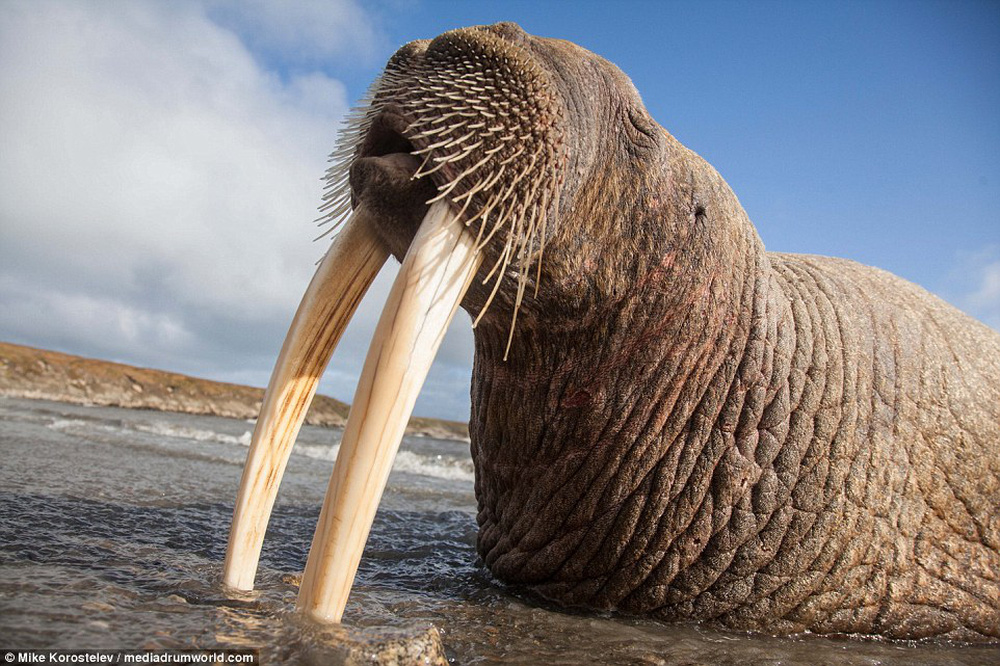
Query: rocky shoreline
(26, 372)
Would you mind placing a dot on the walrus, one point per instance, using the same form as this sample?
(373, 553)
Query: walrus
(666, 418)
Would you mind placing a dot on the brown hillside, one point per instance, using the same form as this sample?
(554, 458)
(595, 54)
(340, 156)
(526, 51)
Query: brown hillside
(26, 372)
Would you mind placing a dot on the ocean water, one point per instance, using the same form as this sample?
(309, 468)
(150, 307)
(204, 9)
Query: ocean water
(113, 527)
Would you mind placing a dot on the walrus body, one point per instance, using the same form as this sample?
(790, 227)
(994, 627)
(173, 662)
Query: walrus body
(818, 455)
(690, 426)
(666, 418)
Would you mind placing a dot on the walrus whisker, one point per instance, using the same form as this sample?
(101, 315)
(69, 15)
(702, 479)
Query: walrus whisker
(535, 185)
(505, 211)
(451, 157)
(432, 147)
(356, 124)
(423, 163)
(326, 232)
(468, 200)
(445, 191)
(440, 120)
(496, 178)
(337, 181)
(497, 225)
(479, 112)
(462, 139)
(467, 196)
(513, 318)
(446, 129)
(518, 153)
(468, 151)
(486, 305)
(448, 187)
(336, 198)
(502, 260)
(472, 169)
(420, 173)
(333, 203)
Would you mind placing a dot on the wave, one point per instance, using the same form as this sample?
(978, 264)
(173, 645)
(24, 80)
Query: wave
(197, 434)
(326, 452)
(438, 466)
(433, 465)
(62, 425)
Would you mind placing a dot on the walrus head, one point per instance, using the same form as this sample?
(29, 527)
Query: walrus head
(522, 178)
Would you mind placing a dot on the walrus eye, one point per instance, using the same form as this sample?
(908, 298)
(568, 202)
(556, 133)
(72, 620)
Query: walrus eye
(699, 213)
(640, 129)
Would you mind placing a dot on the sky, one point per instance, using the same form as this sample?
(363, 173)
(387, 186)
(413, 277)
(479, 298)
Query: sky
(160, 162)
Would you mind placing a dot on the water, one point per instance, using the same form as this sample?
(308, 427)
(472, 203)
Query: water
(113, 525)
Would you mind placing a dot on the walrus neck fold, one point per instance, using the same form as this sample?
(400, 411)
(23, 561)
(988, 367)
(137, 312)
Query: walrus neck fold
(573, 386)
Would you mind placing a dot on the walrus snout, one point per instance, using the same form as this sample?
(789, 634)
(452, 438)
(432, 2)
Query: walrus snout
(508, 30)
(487, 40)
(481, 113)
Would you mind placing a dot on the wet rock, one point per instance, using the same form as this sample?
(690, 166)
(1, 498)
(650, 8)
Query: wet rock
(397, 647)
(344, 645)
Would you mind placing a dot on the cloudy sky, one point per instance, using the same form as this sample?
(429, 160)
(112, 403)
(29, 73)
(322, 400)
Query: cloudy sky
(160, 162)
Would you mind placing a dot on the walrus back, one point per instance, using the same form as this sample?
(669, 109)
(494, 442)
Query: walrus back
(911, 409)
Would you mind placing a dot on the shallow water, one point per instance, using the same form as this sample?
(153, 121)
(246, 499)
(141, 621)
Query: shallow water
(113, 525)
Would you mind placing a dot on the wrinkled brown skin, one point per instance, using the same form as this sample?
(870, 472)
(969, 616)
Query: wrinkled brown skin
(692, 427)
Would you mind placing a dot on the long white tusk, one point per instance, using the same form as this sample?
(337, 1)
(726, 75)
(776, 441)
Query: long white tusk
(435, 275)
(343, 277)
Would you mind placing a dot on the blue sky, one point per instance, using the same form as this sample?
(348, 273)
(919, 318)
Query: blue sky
(161, 160)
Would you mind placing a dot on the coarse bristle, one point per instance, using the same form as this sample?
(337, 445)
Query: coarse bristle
(480, 113)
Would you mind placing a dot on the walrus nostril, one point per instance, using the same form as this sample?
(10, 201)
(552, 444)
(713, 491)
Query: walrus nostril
(389, 142)
(385, 161)
(385, 138)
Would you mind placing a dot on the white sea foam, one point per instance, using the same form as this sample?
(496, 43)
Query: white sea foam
(67, 424)
(317, 451)
(436, 466)
(165, 429)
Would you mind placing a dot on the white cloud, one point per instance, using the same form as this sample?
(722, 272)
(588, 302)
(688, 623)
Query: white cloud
(140, 137)
(982, 276)
(306, 31)
(158, 181)
(92, 320)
